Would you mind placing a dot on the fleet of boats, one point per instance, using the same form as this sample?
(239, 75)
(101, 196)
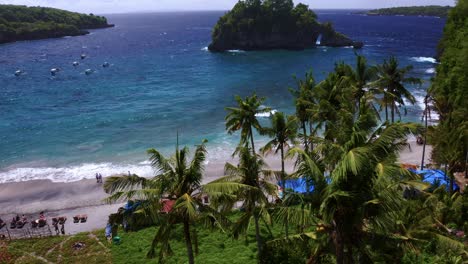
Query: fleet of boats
(55, 71)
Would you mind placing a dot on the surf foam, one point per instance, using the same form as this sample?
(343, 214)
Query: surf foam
(424, 59)
(74, 173)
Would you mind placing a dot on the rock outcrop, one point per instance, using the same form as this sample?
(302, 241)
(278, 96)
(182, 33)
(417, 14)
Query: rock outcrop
(252, 26)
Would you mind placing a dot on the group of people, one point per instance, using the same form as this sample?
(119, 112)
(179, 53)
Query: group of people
(18, 222)
(98, 178)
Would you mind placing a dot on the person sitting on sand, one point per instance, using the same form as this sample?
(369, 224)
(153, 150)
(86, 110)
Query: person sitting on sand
(2, 223)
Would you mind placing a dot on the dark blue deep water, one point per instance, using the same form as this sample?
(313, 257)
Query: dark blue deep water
(162, 80)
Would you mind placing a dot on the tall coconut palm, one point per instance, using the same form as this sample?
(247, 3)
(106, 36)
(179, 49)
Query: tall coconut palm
(177, 184)
(283, 131)
(250, 183)
(359, 78)
(391, 82)
(244, 118)
(304, 102)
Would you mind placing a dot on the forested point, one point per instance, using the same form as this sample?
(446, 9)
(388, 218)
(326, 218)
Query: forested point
(433, 10)
(29, 23)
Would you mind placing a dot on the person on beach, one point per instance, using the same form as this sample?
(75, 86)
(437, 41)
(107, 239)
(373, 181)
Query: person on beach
(100, 178)
(97, 177)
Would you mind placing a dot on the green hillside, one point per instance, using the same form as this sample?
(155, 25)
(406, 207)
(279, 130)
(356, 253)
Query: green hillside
(28, 23)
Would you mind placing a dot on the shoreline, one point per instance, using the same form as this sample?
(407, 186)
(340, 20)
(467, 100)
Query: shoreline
(86, 196)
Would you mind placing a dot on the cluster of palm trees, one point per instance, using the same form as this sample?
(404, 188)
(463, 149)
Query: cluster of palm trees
(362, 198)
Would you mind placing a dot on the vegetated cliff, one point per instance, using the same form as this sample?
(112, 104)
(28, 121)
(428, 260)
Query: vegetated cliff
(28, 23)
(433, 10)
(274, 24)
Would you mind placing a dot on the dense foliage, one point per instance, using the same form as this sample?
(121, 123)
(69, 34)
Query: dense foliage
(433, 10)
(24, 23)
(266, 24)
(449, 93)
(360, 204)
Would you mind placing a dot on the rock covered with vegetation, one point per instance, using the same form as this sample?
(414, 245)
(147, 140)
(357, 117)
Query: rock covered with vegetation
(28, 23)
(273, 24)
(433, 10)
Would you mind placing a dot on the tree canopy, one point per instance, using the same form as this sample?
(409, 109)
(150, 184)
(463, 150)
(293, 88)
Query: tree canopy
(24, 23)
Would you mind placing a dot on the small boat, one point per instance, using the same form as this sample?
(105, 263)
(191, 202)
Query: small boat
(83, 56)
(88, 71)
(54, 71)
(105, 64)
(18, 72)
(75, 63)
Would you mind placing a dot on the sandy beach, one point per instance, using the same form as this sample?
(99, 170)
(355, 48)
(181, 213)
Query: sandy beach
(87, 196)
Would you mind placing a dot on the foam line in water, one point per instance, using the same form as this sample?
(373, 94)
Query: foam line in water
(424, 59)
(74, 173)
(430, 71)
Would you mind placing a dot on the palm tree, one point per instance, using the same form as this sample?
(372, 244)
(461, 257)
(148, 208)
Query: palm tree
(283, 130)
(244, 118)
(363, 192)
(179, 182)
(359, 78)
(304, 102)
(250, 183)
(391, 81)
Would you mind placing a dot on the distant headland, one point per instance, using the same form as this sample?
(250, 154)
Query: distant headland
(262, 25)
(433, 10)
(30, 23)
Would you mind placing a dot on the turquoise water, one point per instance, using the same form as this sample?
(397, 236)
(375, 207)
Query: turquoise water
(161, 80)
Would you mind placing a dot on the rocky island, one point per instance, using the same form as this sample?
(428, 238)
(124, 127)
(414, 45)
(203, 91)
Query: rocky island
(29, 23)
(274, 24)
(433, 10)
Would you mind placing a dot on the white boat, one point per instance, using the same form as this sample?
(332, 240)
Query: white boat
(54, 71)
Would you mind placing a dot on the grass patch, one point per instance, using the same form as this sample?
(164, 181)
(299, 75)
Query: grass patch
(59, 249)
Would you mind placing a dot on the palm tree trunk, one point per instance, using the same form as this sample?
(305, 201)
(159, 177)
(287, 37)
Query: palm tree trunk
(188, 241)
(283, 173)
(252, 142)
(393, 112)
(310, 133)
(283, 185)
(304, 130)
(258, 237)
(425, 136)
(339, 247)
(386, 110)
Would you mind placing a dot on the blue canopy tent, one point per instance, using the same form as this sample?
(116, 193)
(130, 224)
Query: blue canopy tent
(434, 176)
(298, 185)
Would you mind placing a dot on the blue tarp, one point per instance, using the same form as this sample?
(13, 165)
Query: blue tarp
(434, 176)
(298, 185)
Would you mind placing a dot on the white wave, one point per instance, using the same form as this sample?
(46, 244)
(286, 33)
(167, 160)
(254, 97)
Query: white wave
(430, 71)
(267, 114)
(205, 49)
(74, 173)
(236, 51)
(424, 59)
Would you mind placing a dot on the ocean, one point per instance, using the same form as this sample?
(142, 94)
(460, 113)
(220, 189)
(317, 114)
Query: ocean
(162, 81)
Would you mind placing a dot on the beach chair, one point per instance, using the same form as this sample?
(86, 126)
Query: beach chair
(42, 223)
(20, 224)
(62, 220)
(76, 219)
(83, 218)
(12, 225)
